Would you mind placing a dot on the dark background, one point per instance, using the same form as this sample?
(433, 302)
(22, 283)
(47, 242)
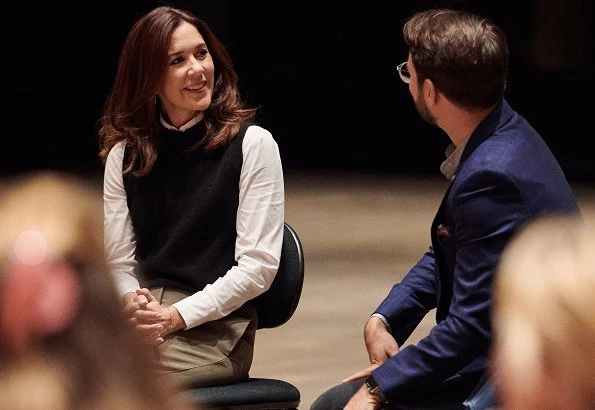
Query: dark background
(323, 73)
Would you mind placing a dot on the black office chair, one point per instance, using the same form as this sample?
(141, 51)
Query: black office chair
(275, 307)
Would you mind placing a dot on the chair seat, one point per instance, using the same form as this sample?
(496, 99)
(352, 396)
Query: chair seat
(274, 307)
(254, 393)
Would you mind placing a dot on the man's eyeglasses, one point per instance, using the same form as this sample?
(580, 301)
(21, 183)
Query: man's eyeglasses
(404, 73)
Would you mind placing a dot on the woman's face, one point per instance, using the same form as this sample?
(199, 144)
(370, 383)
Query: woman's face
(187, 86)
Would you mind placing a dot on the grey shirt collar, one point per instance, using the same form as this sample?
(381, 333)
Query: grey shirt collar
(453, 158)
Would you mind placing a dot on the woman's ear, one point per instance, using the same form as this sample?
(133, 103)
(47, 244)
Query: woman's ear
(37, 301)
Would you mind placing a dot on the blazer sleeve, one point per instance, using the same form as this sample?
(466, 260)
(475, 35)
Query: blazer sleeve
(411, 299)
(487, 207)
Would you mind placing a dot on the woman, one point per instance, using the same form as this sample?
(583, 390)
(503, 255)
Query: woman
(193, 199)
(64, 342)
(544, 321)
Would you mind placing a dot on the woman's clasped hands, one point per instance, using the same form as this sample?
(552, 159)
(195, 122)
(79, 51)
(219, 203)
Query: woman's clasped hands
(151, 320)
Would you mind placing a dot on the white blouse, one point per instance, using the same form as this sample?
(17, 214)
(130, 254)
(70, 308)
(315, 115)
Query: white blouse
(259, 230)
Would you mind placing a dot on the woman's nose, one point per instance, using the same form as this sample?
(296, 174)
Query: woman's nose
(195, 65)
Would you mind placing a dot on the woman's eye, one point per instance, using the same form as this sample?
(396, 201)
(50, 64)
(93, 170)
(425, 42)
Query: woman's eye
(202, 53)
(175, 61)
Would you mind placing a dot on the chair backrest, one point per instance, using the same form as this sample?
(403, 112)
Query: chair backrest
(277, 305)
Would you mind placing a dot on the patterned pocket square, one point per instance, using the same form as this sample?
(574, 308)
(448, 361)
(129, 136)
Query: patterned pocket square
(443, 231)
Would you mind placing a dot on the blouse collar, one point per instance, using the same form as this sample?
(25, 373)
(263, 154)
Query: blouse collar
(184, 127)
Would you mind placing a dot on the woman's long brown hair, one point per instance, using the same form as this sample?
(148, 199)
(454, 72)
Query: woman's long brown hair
(132, 109)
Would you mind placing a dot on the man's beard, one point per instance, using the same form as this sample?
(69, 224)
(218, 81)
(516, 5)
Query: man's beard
(423, 110)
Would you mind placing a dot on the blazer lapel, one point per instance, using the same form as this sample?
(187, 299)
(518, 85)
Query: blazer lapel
(441, 233)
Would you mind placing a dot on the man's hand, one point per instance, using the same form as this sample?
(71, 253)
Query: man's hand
(364, 400)
(381, 345)
(362, 373)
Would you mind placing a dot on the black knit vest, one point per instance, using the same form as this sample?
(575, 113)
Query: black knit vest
(184, 211)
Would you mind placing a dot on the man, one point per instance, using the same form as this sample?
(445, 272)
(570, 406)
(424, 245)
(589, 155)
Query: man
(502, 175)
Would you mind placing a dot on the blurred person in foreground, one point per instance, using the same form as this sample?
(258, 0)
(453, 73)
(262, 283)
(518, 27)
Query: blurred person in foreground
(193, 199)
(64, 341)
(544, 318)
(502, 175)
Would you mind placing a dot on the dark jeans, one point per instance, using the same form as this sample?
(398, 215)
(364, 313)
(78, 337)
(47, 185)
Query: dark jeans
(484, 396)
(448, 395)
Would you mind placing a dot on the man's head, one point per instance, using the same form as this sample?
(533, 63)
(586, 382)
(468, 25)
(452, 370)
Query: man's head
(464, 55)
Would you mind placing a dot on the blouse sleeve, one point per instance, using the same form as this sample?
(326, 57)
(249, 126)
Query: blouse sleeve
(119, 238)
(259, 229)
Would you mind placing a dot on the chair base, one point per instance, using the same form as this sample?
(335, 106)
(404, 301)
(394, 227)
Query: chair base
(254, 393)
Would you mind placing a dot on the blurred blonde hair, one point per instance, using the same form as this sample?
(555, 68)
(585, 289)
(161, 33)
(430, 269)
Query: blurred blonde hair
(95, 362)
(65, 209)
(544, 314)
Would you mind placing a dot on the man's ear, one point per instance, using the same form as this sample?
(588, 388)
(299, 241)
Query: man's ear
(37, 301)
(430, 92)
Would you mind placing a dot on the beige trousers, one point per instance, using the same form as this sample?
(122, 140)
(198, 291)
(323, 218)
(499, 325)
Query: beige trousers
(214, 353)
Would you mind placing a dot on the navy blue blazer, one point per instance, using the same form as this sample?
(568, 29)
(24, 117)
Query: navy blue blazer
(506, 176)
